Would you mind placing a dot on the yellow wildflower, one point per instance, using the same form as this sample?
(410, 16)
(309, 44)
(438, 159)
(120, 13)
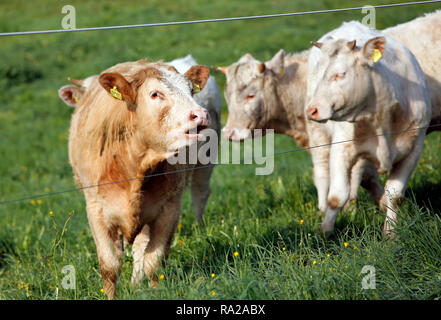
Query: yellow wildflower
(102, 290)
(51, 213)
(179, 242)
(213, 293)
(236, 253)
(33, 202)
(213, 275)
(161, 277)
(301, 221)
(179, 226)
(346, 244)
(314, 262)
(39, 201)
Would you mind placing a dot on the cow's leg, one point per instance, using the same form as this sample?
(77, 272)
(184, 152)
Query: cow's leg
(371, 182)
(397, 182)
(139, 246)
(109, 246)
(200, 190)
(365, 174)
(320, 160)
(162, 231)
(355, 181)
(339, 188)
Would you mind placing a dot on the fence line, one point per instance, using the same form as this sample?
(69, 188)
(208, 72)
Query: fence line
(49, 194)
(207, 21)
(174, 23)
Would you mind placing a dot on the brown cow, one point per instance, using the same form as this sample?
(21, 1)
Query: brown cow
(128, 122)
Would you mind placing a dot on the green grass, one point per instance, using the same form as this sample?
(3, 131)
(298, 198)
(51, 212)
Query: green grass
(276, 252)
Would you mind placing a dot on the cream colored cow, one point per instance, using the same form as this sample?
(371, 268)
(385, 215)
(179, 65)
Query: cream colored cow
(129, 121)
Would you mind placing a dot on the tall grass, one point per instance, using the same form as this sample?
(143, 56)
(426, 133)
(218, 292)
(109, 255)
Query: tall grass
(270, 222)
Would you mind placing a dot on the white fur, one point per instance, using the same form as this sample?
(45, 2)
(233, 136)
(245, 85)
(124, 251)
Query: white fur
(397, 68)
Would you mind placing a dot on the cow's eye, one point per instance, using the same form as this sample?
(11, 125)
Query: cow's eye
(156, 94)
(250, 97)
(339, 76)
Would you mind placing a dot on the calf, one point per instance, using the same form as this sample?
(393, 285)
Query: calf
(363, 83)
(131, 118)
(208, 97)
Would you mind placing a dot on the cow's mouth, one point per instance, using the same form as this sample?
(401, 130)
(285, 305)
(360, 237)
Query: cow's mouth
(195, 132)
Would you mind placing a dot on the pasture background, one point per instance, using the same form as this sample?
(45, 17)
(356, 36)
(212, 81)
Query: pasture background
(279, 257)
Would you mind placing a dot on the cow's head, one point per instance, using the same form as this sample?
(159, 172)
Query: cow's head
(345, 84)
(167, 116)
(250, 92)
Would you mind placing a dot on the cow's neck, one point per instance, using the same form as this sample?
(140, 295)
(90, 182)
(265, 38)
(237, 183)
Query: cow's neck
(128, 163)
(291, 92)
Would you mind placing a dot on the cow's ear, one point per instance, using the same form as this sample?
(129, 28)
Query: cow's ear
(70, 95)
(247, 57)
(118, 87)
(317, 44)
(373, 50)
(277, 63)
(198, 75)
(222, 70)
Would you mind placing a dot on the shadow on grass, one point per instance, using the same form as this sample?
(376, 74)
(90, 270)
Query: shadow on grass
(6, 249)
(426, 195)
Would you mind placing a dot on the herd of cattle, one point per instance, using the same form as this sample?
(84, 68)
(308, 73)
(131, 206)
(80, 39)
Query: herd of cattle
(380, 89)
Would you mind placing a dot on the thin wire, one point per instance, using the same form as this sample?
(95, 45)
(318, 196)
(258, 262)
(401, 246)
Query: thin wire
(193, 22)
(49, 194)
(174, 23)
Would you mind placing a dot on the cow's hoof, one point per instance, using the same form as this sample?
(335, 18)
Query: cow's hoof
(350, 204)
(389, 234)
(325, 233)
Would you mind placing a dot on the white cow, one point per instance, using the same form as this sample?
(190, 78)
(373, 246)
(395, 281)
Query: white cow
(210, 98)
(363, 83)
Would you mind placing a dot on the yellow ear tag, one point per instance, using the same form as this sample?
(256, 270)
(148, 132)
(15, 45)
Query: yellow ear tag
(196, 88)
(115, 93)
(376, 55)
(75, 98)
(281, 73)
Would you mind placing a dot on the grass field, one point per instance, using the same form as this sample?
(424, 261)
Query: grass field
(270, 221)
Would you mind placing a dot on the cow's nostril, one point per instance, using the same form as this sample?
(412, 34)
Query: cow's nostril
(312, 112)
(193, 116)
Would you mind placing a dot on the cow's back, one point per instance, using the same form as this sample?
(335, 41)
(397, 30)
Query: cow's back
(422, 37)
